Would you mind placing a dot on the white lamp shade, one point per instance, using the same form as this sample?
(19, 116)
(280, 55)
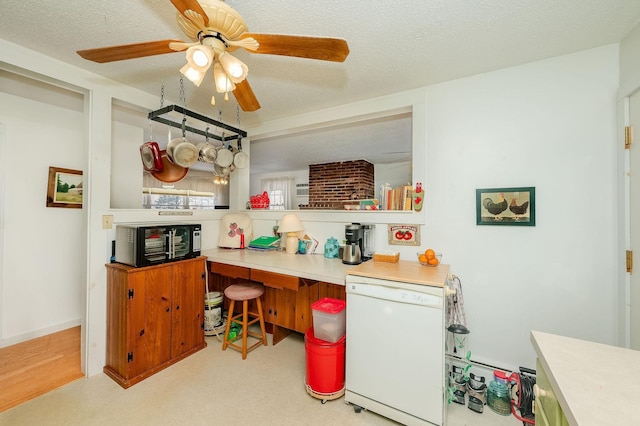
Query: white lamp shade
(236, 70)
(222, 81)
(289, 225)
(192, 74)
(200, 57)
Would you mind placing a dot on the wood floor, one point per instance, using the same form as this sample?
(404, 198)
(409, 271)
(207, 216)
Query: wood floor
(35, 367)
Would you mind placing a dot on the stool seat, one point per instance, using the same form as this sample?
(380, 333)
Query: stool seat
(240, 292)
(244, 292)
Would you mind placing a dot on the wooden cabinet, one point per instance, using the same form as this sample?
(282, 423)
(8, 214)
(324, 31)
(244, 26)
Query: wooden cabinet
(287, 299)
(548, 410)
(155, 317)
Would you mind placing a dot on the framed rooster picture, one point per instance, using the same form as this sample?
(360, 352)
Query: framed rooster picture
(506, 206)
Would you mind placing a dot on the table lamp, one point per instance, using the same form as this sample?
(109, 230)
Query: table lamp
(291, 225)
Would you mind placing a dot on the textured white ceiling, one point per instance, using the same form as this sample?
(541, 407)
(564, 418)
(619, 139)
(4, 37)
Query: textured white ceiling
(395, 45)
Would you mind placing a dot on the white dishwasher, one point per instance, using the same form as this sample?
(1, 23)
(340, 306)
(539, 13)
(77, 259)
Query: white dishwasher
(395, 349)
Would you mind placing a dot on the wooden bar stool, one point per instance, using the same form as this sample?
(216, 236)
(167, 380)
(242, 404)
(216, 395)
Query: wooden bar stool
(244, 293)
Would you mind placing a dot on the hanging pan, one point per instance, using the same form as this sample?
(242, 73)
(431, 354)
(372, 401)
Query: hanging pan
(207, 152)
(170, 172)
(240, 158)
(150, 155)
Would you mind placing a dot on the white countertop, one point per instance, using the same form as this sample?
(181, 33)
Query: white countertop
(317, 267)
(311, 266)
(595, 384)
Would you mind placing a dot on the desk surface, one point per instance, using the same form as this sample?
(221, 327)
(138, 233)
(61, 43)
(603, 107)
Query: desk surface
(595, 384)
(319, 268)
(311, 266)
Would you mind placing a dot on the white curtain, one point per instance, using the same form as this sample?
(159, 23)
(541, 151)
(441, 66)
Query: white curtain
(280, 192)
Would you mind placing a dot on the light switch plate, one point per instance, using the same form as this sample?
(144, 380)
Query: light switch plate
(107, 221)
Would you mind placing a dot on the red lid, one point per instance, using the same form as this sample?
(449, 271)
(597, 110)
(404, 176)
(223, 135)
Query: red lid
(311, 339)
(329, 305)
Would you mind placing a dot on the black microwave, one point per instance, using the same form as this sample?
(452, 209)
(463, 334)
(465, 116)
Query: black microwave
(144, 244)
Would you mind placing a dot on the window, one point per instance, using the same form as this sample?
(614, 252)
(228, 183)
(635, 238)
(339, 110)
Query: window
(196, 191)
(276, 200)
(161, 198)
(279, 190)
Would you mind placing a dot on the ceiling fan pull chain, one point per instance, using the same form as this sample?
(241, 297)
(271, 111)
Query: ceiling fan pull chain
(184, 128)
(206, 135)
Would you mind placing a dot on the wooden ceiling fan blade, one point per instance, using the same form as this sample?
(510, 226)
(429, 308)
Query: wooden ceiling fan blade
(128, 51)
(184, 5)
(245, 97)
(321, 48)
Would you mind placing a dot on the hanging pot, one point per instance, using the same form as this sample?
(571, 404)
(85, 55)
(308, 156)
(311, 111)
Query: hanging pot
(150, 155)
(170, 172)
(240, 158)
(182, 152)
(225, 157)
(208, 153)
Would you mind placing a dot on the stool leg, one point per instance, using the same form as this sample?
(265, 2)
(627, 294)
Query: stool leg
(245, 328)
(264, 333)
(226, 331)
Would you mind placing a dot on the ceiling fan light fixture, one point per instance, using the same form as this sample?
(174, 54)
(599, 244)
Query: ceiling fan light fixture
(223, 83)
(200, 57)
(234, 67)
(192, 74)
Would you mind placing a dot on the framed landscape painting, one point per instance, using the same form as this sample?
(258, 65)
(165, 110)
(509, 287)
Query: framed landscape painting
(506, 206)
(64, 188)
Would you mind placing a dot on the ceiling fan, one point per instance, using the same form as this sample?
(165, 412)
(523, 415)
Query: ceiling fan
(215, 30)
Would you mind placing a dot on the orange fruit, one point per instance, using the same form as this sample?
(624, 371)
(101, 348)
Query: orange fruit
(430, 254)
(422, 258)
(433, 261)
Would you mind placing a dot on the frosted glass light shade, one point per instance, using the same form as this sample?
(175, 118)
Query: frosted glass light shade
(200, 57)
(234, 67)
(222, 81)
(192, 74)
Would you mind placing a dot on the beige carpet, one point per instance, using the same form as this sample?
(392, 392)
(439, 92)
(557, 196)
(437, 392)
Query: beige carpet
(213, 387)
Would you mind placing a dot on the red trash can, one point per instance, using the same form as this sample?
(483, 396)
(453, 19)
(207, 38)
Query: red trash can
(325, 366)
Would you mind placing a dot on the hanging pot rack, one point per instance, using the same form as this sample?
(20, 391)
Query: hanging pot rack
(162, 116)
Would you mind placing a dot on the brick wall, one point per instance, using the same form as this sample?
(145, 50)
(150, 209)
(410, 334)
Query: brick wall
(332, 183)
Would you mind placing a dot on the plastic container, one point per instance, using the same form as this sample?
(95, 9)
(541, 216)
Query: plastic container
(325, 363)
(498, 398)
(329, 319)
(212, 310)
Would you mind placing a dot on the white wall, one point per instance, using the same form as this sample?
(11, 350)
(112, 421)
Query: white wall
(551, 125)
(44, 247)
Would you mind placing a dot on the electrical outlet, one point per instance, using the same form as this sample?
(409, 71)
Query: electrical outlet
(107, 221)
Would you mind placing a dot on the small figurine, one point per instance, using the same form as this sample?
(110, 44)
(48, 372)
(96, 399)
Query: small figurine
(418, 197)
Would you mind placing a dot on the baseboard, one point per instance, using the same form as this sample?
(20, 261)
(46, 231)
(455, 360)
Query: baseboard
(477, 368)
(38, 333)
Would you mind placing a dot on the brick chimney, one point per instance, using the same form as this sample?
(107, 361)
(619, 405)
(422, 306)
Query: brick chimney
(332, 183)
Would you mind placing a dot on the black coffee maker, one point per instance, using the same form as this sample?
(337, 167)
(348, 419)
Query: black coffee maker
(353, 249)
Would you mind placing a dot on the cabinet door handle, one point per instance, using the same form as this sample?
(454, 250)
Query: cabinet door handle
(168, 309)
(142, 332)
(177, 307)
